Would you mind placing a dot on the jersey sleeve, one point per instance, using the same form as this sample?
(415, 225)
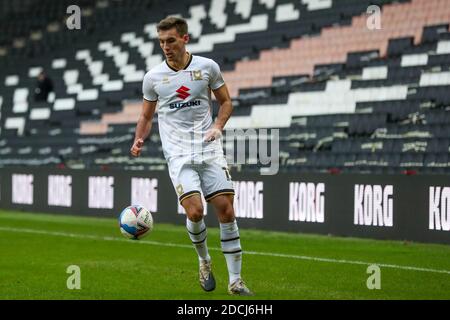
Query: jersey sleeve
(215, 76)
(148, 89)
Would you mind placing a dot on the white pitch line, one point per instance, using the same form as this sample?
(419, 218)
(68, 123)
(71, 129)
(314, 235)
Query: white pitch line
(269, 254)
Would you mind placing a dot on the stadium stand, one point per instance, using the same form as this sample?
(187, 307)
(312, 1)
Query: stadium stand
(344, 97)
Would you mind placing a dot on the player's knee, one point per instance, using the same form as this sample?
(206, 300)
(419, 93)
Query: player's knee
(195, 213)
(227, 213)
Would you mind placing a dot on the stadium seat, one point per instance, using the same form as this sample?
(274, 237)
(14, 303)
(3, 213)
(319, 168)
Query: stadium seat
(342, 96)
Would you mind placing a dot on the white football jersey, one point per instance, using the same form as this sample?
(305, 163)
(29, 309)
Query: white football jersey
(184, 105)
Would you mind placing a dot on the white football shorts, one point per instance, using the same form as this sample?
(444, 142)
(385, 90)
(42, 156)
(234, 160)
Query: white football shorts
(209, 175)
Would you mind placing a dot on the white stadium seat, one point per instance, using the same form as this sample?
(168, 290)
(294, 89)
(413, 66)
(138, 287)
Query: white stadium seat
(12, 80)
(372, 73)
(95, 68)
(64, 104)
(90, 94)
(100, 79)
(137, 76)
(286, 12)
(70, 77)
(59, 63)
(318, 4)
(112, 85)
(74, 88)
(443, 47)
(20, 107)
(410, 60)
(40, 114)
(243, 7)
(20, 95)
(15, 123)
(34, 71)
(83, 54)
(435, 79)
(268, 3)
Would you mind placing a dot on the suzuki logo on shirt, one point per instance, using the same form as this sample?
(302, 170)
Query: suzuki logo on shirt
(183, 92)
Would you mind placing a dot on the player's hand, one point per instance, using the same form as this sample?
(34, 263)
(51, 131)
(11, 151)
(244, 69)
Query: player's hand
(137, 147)
(212, 134)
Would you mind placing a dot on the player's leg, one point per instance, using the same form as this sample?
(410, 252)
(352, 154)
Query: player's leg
(187, 185)
(229, 235)
(218, 187)
(196, 227)
(195, 224)
(230, 243)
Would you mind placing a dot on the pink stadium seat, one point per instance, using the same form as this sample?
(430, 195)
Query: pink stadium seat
(93, 128)
(129, 114)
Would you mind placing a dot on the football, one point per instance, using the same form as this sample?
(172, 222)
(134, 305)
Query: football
(135, 222)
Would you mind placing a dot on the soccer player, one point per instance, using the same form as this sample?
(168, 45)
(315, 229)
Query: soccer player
(181, 87)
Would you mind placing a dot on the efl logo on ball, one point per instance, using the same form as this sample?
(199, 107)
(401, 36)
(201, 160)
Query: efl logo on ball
(135, 222)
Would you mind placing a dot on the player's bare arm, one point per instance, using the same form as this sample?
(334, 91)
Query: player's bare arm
(143, 127)
(226, 108)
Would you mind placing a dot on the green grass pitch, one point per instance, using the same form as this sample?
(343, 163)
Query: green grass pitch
(37, 249)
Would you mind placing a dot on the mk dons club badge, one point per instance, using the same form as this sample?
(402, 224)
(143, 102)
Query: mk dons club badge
(179, 189)
(196, 75)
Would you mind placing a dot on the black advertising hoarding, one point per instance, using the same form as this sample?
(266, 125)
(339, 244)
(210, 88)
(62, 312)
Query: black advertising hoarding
(396, 207)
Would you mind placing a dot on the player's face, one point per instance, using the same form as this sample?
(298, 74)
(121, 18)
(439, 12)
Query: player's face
(172, 44)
